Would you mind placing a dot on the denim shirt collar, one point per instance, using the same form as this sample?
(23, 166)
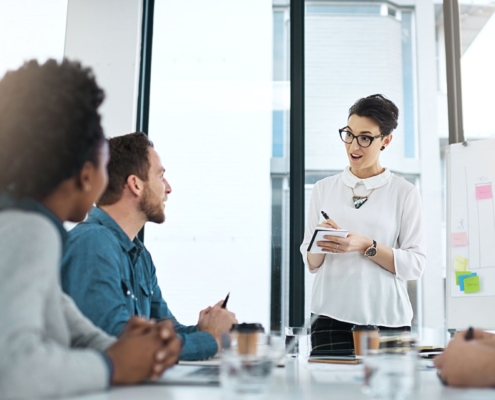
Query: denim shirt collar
(29, 204)
(102, 217)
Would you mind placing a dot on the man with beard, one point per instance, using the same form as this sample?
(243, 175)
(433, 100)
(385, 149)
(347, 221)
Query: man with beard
(107, 270)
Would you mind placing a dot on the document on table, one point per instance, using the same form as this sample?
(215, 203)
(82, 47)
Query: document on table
(319, 234)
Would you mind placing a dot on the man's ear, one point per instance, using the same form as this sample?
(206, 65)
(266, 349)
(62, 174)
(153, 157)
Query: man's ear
(83, 178)
(135, 185)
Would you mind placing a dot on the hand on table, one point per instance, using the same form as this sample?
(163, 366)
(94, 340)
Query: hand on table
(143, 351)
(467, 363)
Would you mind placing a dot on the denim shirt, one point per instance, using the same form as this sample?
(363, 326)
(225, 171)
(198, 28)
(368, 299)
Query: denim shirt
(112, 278)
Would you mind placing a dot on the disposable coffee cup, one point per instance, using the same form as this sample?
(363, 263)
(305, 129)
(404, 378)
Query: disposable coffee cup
(365, 337)
(247, 337)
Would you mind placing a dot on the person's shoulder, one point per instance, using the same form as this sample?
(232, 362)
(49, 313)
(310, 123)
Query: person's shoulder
(25, 224)
(28, 235)
(330, 181)
(402, 184)
(91, 232)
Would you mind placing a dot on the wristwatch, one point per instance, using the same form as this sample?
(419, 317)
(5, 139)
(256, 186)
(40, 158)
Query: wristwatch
(371, 251)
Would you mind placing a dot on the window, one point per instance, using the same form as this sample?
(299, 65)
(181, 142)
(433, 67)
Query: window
(212, 120)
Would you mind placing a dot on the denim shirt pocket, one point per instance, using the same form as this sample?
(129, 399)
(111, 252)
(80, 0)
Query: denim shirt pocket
(146, 296)
(129, 296)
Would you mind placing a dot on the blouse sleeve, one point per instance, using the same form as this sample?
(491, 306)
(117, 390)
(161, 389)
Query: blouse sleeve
(410, 256)
(312, 221)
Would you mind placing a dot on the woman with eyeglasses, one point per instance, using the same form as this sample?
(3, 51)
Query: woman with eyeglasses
(361, 280)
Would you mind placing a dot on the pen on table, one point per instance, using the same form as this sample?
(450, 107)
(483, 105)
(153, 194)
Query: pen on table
(469, 334)
(226, 300)
(325, 215)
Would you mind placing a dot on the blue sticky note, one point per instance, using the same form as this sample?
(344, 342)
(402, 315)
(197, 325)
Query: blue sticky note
(462, 277)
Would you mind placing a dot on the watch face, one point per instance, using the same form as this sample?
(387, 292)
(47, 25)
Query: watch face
(371, 252)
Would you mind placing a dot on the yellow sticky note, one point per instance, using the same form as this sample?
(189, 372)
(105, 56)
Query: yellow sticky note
(472, 284)
(460, 263)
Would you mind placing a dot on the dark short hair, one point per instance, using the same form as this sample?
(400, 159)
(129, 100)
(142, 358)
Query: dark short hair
(128, 156)
(49, 126)
(378, 108)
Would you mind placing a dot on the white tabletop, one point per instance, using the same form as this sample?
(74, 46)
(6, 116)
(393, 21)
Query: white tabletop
(298, 380)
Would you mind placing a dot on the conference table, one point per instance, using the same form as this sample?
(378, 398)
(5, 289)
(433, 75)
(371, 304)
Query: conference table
(297, 380)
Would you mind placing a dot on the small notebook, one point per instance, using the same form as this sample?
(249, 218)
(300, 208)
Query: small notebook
(335, 359)
(318, 235)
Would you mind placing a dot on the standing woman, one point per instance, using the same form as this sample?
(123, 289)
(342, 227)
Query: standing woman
(362, 279)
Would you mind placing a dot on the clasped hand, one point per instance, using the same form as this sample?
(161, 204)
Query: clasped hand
(335, 244)
(143, 351)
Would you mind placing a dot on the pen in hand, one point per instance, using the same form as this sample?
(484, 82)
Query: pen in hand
(325, 215)
(469, 334)
(224, 304)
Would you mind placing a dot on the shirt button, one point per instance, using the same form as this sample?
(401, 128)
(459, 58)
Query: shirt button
(128, 292)
(152, 292)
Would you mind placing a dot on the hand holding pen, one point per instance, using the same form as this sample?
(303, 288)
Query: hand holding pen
(328, 223)
(452, 363)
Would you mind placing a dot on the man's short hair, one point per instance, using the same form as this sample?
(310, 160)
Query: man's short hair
(128, 156)
(49, 126)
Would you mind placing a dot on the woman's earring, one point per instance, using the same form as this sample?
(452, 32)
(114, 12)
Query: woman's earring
(382, 148)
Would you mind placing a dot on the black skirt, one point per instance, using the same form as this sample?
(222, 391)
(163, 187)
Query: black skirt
(331, 337)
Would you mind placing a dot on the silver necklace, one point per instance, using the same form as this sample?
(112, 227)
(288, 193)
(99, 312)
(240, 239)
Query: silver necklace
(360, 200)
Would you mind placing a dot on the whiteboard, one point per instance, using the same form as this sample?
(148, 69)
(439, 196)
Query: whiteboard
(470, 280)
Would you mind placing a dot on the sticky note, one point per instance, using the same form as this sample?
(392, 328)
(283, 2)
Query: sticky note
(472, 284)
(484, 191)
(460, 263)
(459, 239)
(460, 273)
(463, 277)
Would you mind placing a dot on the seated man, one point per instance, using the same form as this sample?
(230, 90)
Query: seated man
(468, 363)
(107, 270)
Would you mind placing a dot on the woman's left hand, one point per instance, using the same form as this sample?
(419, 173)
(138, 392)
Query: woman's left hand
(353, 242)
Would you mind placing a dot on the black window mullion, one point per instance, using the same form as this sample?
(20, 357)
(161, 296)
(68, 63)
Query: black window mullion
(297, 163)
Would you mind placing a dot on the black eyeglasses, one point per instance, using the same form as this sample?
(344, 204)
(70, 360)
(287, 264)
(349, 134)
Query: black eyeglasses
(362, 140)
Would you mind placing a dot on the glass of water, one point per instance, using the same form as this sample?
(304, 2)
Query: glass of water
(391, 371)
(247, 363)
(297, 342)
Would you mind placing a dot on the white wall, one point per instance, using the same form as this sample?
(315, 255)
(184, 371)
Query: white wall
(31, 30)
(106, 35)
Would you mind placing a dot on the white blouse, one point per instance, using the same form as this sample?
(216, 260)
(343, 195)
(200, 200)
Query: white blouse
(351, 287)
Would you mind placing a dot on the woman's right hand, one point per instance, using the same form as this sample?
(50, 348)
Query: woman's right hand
(329, 223)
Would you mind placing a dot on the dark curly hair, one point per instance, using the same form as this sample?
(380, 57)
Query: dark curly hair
(49, 126)
(378, 108)
(128, 156)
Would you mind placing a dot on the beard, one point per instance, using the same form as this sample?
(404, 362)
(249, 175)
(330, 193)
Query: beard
(152, 206)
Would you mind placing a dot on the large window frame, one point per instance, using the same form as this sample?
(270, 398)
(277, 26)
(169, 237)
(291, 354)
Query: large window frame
(297, 126)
